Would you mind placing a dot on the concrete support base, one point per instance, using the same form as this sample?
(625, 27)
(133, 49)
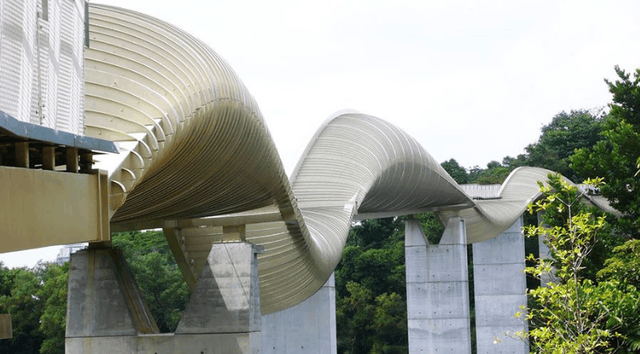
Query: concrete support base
(437, 290)
(106, 313)
(165, 344)
(309, 327)
(500, 285)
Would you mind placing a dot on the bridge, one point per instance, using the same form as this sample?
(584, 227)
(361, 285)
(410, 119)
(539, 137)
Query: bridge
(167, 136)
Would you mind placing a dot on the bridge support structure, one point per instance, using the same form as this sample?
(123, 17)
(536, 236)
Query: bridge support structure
(499, 288)
(437, 290)
(106, 311)
(309, 327)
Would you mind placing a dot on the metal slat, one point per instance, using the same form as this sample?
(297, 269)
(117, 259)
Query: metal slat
(216, 156)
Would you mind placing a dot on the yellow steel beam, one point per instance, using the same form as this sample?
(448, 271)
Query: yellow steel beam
(72, 159)
(184, 262)
(222, 220)
(45, 208)
(22, 154)
(49, 158)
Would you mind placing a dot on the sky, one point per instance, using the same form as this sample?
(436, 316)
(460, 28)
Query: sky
(469, 79)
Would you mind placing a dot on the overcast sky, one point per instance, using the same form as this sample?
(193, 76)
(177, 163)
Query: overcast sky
(471, 80)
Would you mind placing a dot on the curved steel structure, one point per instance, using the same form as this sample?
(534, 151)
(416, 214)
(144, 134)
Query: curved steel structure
(196, 156)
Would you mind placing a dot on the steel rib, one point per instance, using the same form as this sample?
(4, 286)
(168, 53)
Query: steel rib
(193, 144)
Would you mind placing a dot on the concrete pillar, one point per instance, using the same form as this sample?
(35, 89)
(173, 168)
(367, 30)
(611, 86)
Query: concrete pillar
(437, 290)
(544, 252)
(500, 285)
(309, 327)
(105, 309)
(225, 303)
(222, 316)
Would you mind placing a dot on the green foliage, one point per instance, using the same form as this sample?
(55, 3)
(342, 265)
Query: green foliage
(572, 314)
(353, 317)
(624, 269)
(495, 173)
(615, 157)
(25, 310)
(575, 232)
(371, 324)
(390, 324)
(53, 320)
(37, 301)
(624, 265)
(373, 233)
(514, 162)
(457, 172)
(560, 138)
(370, 289)
(431, 226)
(157, 275)
(601, 250)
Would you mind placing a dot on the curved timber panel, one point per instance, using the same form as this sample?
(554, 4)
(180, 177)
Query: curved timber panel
(193, 144)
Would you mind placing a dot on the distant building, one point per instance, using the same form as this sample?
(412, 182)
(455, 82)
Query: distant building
(65, 252)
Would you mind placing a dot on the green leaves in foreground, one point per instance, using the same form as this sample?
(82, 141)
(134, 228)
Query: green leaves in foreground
(572, 314)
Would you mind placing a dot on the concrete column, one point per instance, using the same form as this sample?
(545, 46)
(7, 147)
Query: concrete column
(437, 290)
(105, 309)
(500, 285)
(107, 315)
(309, 327)
(225, 305)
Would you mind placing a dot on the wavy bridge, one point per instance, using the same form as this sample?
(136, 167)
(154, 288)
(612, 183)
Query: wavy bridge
(192, 155)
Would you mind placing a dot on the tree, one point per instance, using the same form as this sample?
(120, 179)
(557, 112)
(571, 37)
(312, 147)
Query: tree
(560, 138)
(369, 323)
(390, 324)
(53, 321)
(514, 162)
(624, 265)
(370, 289)
(572, 314)
(36, 298)
(623, 268)
(25, 309)
(373, 233)
(431, 226)
(495, 173)
(457, 172)
(615, 156)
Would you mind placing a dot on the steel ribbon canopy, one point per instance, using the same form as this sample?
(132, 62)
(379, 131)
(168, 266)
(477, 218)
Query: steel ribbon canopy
(193, 144)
